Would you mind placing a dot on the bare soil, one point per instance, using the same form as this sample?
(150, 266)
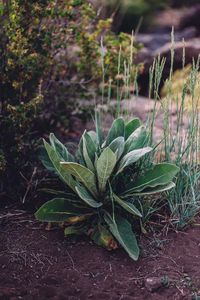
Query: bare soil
(36, 263)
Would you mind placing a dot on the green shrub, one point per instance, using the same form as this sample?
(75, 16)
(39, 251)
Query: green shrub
(104, 177)
(24, 52)
(24, 57)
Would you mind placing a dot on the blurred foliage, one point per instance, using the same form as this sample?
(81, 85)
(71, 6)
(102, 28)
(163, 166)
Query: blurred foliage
(88, 47)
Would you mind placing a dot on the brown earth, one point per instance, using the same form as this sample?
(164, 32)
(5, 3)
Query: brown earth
(40, 264)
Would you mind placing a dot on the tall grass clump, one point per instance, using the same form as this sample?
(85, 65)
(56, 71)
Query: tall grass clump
(181, 145)
(178, 102)
(180, 142)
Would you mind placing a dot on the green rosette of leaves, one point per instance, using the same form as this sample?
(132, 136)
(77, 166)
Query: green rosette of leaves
(105, 177)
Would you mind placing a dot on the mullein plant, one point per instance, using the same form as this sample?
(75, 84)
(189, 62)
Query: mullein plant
(104, 179)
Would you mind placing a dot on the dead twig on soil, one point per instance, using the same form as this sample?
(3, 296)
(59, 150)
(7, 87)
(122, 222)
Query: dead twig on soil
(8, 215)
(71, 259)
(29, 184)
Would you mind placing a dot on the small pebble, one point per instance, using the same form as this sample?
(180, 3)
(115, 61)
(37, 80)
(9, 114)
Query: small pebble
(154, 283)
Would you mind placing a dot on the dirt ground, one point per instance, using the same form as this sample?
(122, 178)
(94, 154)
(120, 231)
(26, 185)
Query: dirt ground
(40, 264)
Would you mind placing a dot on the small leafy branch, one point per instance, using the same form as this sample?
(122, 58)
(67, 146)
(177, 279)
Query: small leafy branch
(105, 177)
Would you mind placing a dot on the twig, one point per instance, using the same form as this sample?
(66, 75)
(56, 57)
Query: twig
(29, 185)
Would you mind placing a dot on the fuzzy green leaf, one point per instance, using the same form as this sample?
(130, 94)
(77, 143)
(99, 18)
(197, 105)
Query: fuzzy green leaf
(44, 157)
(132, 157)
(90, 145)
(87, 197)
(60, 210)
(122, 231)
(136, 140)
(60, 148)
(117, 146)
(161, 174)
(131, 126)
(55, 159)
(87, 156)
(93, 136)
(127, 206)
(83, 174)
(79, 152)
(105, 165)
(115, 131)
(155, 190)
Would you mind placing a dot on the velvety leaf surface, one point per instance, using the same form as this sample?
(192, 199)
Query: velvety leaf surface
(60, 148)
(87, 197)
(105, 165)
(82, 174)
(131, 126)
(115, 131)
(63, 174)
(117, 146)
(136, 140)
(132, 157)
(161, 174)
(122, 231)
(127, 206)
(60, 210)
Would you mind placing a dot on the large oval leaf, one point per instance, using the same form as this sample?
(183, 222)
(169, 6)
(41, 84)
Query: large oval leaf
(132, 157)
(93, 136)
(87, 197)
(79, 152)
(60, 148)
(127, 206)
(90, 145)
(55, 159)
(116, 130)
(60, 210)
(155, 190)
(117, 146)
(44, 157)
(87, 156)
(131, 126)
(161, 174)
(87, 149)
(105, 165)
(83, 174)
(122, 231)
(136, 140)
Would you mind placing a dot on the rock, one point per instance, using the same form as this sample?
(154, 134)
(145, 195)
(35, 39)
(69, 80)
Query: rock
(154, 41)
(196, 297)
(168, 17)
(192, 50)
(191, 18)
(154, 283)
